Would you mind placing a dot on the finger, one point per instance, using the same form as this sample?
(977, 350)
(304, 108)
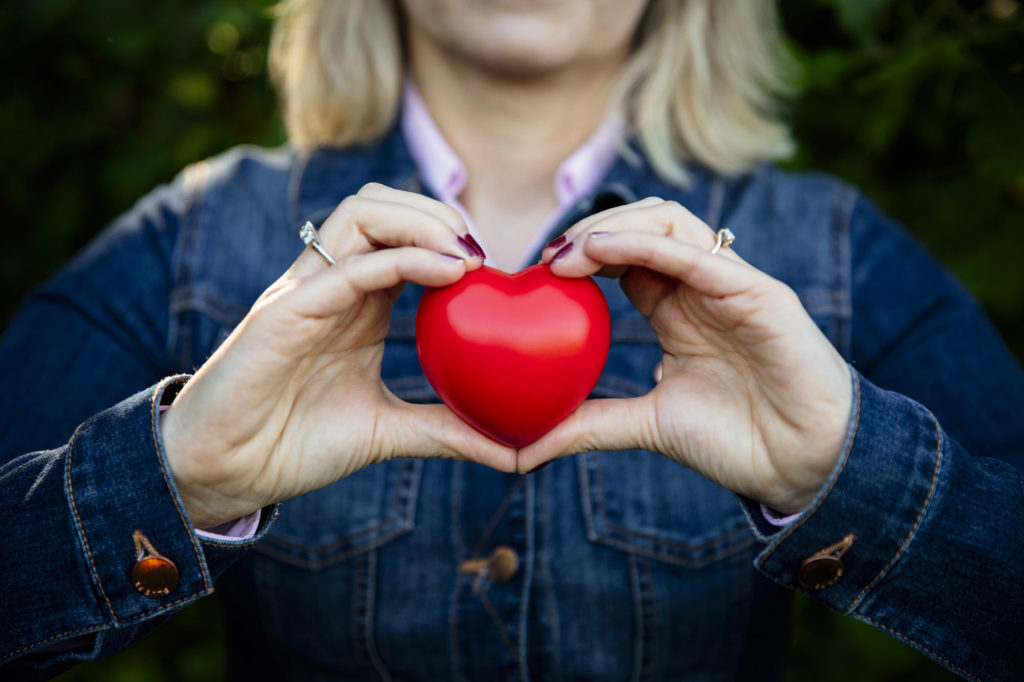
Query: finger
(581, 227)
(435, 431)
(439, 210)
(339, 287)
(712, 275)
(360, 225)
(667, 218)
(602, 424)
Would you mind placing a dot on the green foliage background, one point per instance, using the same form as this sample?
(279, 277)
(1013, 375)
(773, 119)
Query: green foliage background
(920, 102)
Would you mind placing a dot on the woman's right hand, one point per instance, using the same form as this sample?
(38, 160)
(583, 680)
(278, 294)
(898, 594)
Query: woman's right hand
(293, 400)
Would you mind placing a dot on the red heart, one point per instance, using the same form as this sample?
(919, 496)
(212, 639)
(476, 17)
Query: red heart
(513, 355)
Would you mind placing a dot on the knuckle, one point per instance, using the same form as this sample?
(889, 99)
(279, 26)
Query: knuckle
(347, 206)
(452, 216)
(371, 189)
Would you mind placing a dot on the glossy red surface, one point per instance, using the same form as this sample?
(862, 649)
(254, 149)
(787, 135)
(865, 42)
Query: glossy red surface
(513, 355)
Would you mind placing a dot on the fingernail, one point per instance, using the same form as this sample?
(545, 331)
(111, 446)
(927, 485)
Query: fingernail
(474, 247)
(538, 468)
(556, 242)
(563, 252)
(466, 249)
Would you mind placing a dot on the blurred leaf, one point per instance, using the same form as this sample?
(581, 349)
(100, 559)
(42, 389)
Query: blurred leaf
(860, 17)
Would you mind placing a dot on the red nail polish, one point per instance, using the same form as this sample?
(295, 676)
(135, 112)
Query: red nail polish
(472, 244)
(466, 248)
(563, 252)
(538, 468)
(556, 242)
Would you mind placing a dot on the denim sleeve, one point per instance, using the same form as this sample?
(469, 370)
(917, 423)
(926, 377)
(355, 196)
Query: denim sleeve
(925, 508)
(81, 460)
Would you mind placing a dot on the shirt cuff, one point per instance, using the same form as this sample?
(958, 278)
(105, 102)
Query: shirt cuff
(243, 528)
(778, 519)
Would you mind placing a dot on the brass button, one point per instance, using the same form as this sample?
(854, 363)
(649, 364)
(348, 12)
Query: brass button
(502, 565)
(820, 570)
(155, 576)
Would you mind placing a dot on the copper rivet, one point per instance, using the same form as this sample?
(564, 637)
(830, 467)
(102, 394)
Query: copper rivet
(155, 576)
(502, 565)
(820, 570)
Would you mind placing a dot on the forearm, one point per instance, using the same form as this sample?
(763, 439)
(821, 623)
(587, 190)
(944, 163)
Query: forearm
(69, 519)
(915, 523)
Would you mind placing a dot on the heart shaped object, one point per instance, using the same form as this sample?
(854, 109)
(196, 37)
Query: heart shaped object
(513, 355)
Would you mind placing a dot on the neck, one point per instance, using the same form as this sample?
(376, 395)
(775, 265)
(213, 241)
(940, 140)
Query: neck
(511, 132)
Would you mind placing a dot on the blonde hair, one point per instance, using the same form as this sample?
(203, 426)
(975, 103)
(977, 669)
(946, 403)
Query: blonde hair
(702, 83)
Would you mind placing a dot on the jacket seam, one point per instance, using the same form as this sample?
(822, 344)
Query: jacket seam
(170, 489)
(294, 188)
(178, 340)
(917, 645)
(917, 521)
(81, 528)
(69, 633)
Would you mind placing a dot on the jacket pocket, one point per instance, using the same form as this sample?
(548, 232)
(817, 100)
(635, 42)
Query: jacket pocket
(359, 513)
(643, 503)
(354, 515)
(640, 502)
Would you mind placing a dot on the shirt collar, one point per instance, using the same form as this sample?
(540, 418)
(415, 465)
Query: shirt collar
(445, 173)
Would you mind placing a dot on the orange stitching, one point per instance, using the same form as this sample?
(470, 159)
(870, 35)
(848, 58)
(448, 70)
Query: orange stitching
(92, 628)
(163, 472)
(97, 628)
(917, 521)
(907, 640)
(143, 543)
(164, 607)
(81, 529)
(846, 455)
(839, 549)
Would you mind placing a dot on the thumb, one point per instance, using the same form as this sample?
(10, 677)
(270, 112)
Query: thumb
(601, 424)
(435, 431)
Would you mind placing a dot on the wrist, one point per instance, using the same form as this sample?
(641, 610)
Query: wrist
(206, 509)
(825, 447)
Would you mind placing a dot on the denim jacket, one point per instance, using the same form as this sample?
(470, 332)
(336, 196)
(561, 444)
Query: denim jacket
(602, 566)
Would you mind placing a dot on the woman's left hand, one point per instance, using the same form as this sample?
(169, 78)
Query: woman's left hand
(752, 395)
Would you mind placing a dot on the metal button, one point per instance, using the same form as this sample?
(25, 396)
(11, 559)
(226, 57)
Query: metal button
(502, 565)
(820, 570)
(155, 576)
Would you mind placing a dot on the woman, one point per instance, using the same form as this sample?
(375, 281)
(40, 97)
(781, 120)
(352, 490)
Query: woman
(302, 455)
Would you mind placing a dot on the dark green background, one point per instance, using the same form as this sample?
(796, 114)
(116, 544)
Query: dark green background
(920, 102)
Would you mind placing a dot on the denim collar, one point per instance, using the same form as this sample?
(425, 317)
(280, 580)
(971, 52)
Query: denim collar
(325, 176)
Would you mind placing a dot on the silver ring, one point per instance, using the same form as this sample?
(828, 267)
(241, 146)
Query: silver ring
(723, 238)
(310, 237)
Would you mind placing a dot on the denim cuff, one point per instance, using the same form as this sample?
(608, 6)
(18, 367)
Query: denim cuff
(869, 509)
(117, 483)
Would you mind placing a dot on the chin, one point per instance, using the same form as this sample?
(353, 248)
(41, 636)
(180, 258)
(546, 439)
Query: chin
(521, 50)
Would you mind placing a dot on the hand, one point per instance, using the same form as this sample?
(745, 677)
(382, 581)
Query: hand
(293, 399)
(752, 395)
